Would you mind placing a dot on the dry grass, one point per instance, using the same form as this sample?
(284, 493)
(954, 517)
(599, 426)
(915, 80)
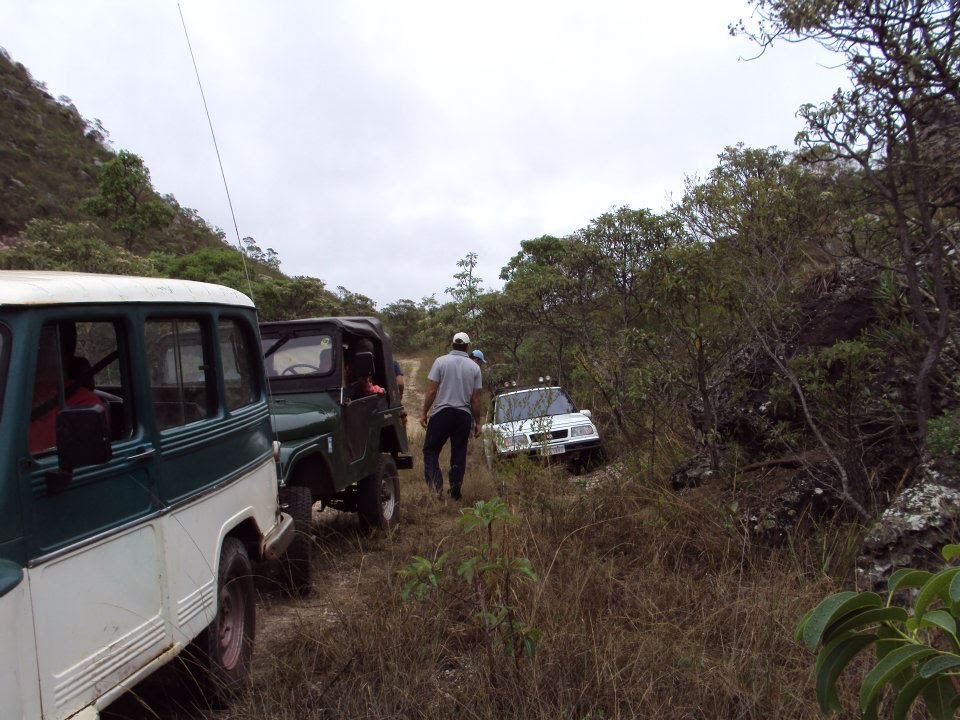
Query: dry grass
(650, 606)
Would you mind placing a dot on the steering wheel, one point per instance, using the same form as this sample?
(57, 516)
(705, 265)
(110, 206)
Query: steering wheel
(292, 369)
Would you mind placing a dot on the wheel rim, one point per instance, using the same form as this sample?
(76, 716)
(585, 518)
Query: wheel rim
(388, 497)
(232, 619)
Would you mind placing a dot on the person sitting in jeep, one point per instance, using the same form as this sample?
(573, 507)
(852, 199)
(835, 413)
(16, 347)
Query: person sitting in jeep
(54, 343)
(361, 386)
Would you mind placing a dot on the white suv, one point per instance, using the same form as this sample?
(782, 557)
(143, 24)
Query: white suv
(540, 420)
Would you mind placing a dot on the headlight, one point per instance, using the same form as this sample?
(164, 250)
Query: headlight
(581, 430)
(514, 441)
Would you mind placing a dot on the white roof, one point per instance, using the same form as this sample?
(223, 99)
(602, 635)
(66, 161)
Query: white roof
(35, 287)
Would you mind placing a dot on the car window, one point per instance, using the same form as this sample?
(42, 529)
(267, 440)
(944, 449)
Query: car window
(303, 354)
(239, 364)
(180, 377)
(78, 365)
(539, 402)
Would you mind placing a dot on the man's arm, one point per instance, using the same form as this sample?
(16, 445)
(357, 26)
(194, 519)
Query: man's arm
(477, 416)
(428, 399)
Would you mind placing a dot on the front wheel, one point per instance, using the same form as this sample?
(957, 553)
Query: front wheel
(378, 502)
(227, 643)
(298, 502)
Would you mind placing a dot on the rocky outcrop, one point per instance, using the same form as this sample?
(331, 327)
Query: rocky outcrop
(911, 531)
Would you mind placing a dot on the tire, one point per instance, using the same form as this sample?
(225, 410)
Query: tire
(378, 497)
(298, 502)
(227, 643)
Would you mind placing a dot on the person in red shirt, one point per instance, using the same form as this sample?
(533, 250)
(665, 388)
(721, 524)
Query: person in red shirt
(46, 394)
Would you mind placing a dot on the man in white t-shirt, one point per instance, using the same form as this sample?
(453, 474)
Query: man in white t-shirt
(451, 407)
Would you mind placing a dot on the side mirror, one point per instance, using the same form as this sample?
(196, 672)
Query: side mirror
(586, 413)
(362, 365)
(83, 438)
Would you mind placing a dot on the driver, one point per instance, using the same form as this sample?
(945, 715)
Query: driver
(46, 391)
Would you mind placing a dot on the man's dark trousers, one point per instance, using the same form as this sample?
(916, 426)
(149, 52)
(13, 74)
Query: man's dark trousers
(448, 424)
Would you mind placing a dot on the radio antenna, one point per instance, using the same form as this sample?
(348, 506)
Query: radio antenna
(226, 187)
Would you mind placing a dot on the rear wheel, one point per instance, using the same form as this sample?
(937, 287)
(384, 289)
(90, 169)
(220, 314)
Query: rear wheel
(378, 500)
(298, 502)
(227, 643)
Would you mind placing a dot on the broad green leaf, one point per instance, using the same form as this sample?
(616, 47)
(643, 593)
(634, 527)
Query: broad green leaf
(938, 697)
(950, 552)
(801, 624)
(886, 670)
(889, 640)
(865, 617)
(954, 591)
(908, 695)
(833, 666)
(827, 649)
(907, 578)
(940, 619)
(833, 607)
(933, 588)
(938, 665)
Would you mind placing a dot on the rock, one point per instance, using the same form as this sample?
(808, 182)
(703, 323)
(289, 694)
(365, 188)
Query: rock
(809, 494)
(911, 531)
(691, 473)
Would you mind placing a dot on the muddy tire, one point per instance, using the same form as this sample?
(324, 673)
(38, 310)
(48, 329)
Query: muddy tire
(378, 497)
(226, 646)
(295, 566)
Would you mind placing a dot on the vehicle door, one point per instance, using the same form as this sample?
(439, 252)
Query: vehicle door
(211, 415)
(360, 409)
(94, 556)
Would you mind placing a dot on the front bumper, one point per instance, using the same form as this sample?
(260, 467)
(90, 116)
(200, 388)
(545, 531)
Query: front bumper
(276, 542)
(569, 449)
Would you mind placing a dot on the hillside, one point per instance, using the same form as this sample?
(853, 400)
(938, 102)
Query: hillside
(70, 202)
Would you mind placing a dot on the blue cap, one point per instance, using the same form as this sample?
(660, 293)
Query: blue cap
(478, 355)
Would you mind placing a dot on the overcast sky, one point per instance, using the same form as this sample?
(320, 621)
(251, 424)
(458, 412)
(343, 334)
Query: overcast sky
(373, 144)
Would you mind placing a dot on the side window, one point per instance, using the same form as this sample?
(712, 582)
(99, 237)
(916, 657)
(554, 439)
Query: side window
(78, 365)
(180, 377)
(239, 364)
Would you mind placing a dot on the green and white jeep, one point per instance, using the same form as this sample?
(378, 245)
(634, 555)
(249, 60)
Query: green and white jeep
(337, 414)
(137, 484)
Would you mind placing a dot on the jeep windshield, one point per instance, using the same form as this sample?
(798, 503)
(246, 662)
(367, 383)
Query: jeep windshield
(538, 402)
(299, 353)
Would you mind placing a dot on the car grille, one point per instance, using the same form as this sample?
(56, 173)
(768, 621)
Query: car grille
(548, 436)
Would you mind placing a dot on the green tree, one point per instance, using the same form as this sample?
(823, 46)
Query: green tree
(897, 124)
(126, 198)
(352, 303)
(402, 319)
(467, 287)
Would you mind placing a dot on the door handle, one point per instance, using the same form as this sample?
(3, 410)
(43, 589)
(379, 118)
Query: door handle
(143, 455)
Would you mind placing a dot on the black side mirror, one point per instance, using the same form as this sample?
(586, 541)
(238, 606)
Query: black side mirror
(362, 365)
(83, 438)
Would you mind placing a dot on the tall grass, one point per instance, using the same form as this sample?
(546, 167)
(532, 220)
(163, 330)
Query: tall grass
(651, 605)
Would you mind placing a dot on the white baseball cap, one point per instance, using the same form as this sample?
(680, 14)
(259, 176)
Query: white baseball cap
(461, 338)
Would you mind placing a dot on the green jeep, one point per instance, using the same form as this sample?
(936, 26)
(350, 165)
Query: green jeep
(336, 411)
